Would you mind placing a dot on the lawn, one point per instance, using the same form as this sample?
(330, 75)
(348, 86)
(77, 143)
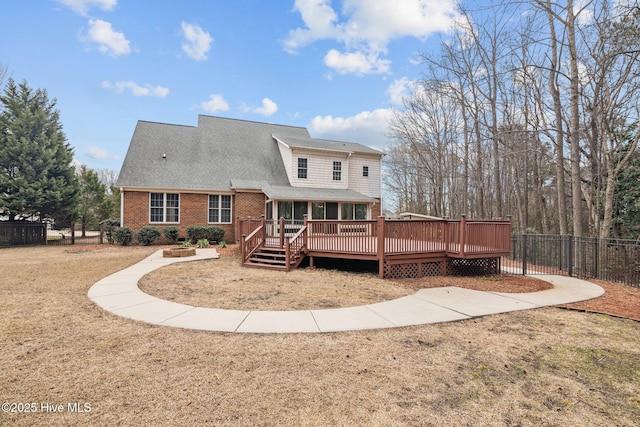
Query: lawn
(548, 366)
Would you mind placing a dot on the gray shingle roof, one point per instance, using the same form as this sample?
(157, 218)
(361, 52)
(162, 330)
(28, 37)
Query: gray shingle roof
(207, 157)
(225, 154)
(278, 192)
(294, 141)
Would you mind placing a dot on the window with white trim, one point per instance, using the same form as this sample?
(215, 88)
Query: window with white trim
(357, 211)
(365, 171)
(164, 207)
(302, 168)
(337, 171)
(220, 208)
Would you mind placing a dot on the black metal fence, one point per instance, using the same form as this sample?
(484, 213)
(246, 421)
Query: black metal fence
(612, 260)
(33, 233)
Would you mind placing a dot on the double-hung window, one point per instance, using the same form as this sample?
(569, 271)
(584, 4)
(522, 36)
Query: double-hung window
(337, 171)
(220, 208)
(357, 211)
(302, 168)
(164, 207)
(365, 171)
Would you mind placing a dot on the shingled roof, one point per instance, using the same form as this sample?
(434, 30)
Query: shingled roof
(221, 154)
(206, 157)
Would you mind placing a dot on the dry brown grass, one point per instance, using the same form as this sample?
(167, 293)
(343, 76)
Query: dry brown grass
(539, 367)
(223, 283)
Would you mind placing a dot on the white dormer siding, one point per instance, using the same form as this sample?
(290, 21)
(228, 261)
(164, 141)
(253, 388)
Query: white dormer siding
(320, 169)
(368, 185)
(287, 159)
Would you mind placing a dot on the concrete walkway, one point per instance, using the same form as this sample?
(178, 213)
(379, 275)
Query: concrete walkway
(119, 294)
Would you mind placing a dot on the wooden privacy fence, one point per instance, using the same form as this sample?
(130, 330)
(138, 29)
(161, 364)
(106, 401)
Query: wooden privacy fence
(22, 233)
(36, 233)
(401, 247)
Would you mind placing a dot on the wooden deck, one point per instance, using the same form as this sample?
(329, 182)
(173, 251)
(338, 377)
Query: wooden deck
(403, 248)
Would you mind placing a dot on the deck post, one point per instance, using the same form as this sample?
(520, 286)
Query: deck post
(462, 236)
(287, 255)
(243, 249)
(281, 232)
(380, 253)
(445, 234)
(305, 238)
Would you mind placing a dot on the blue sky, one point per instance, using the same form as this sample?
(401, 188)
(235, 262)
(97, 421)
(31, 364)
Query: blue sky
(335, 67)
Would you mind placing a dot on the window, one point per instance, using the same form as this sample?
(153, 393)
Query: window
(365, 171)
(317, 210)
(347, 211)
(300, 210)
(357, 211)
(302, 168)
(220, 208)
(164, 207)
(337, 171)
(285, 210)
(332, 210)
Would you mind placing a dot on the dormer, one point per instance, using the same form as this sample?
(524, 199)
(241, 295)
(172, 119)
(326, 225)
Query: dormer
(320, 163)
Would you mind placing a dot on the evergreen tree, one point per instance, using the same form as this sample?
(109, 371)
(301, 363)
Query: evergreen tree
(36, 175)
(93, 203)
(627, 201)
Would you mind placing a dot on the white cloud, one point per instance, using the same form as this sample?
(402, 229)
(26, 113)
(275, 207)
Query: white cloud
(81, 7)
(365, 29)
(98, 153)
(197, 41)
(369, 128)
(215, 103)
(136, 89)
(320, 20)
(357, 63)
(268, 108)
(109, 41)
(400, 89)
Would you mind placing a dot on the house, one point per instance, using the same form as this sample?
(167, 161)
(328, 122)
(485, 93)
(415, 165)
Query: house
(224, 169)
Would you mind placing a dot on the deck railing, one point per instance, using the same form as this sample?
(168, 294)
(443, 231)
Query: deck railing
(378, 239)
(342, 236)
(252, 242)
(295, 247)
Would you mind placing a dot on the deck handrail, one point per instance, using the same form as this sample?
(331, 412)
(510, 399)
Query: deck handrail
(249, 244)
(297, 244)
(383, 239)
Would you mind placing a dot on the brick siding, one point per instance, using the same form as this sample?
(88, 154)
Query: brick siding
(194, 210)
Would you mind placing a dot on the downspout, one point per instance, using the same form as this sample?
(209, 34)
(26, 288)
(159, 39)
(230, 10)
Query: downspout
(121, 207)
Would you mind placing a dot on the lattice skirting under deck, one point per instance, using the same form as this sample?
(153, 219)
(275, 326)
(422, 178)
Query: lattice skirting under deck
(413, 269)
(455, 267)
(473, 267)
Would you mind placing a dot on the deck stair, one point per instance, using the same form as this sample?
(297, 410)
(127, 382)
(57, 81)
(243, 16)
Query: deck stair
(270, 257)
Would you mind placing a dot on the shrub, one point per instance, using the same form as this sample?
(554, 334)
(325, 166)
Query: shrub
(109, 225)
(203, 243)
(210, 233)
(223, 244)
(171, 233)
(147, 235)
(122, 235)
(215, 234)
(195, 233)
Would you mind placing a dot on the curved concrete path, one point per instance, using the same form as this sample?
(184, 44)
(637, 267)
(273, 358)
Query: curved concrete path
(119, 294)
